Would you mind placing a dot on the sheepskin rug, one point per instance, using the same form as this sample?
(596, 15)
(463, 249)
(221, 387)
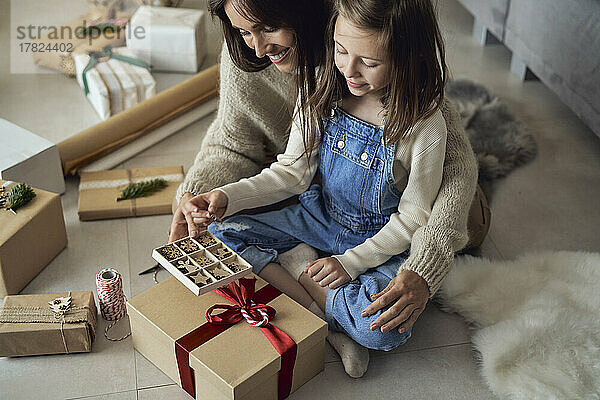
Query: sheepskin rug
(499, 140)
(536, 320)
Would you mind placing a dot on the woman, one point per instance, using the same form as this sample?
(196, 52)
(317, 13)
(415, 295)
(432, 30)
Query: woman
(271, 53)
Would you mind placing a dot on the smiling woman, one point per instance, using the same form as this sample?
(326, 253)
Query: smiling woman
(273, 42)
(258, 33)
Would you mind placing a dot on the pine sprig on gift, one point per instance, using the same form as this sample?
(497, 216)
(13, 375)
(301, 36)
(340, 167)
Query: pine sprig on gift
(141, 189)
(19, 195)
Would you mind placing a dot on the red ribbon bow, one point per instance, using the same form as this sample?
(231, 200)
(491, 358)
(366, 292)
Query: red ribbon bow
(246, 305)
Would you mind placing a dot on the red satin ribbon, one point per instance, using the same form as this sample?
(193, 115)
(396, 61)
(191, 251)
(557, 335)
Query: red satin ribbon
(242, 296)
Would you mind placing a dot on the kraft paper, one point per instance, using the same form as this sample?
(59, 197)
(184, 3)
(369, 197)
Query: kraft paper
(35, 338)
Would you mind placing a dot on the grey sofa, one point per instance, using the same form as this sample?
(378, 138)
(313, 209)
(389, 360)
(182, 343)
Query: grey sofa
(557, 40)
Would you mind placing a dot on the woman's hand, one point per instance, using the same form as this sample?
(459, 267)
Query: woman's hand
(195, 213)
(206, 208)
(410, 293)
(327, 272)
(182, 225)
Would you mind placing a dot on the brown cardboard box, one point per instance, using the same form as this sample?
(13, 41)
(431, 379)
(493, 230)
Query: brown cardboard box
(34, 338)
(29, 240)
(98, 193)
(239, 363)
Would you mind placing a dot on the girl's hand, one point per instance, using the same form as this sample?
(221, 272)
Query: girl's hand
(205, 208)
(410, 293)
(327, 272)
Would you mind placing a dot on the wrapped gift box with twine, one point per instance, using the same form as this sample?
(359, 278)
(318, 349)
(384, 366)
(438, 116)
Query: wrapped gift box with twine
(99, 191)
(113, 80)
(59, 323)
(29, 238)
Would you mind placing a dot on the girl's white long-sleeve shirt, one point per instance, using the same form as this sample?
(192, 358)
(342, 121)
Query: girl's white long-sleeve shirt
(417, 171)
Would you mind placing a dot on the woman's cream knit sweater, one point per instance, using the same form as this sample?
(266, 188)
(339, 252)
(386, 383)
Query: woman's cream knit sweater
(255, 111)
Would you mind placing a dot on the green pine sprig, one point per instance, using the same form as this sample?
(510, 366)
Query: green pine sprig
(19, 196)
(141, 189)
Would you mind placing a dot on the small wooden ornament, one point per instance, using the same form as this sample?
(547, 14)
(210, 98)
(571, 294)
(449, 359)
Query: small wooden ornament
(220, 273)
(206, 240)
(186, 266)
(200, 279)
(221, 253)
(60, 305)
(234, 267)
(202, 261)
(188, 246)
(170, 252)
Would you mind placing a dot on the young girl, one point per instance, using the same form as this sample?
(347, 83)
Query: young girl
(374, 132)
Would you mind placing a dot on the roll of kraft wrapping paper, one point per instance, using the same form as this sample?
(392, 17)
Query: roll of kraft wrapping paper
(101, 139)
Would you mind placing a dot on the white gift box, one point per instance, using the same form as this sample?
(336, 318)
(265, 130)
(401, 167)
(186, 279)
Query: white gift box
(26, 157)
(171, 39)
(115, 85)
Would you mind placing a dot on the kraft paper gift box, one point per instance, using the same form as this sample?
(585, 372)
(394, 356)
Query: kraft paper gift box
(171, 39)
(26, 157)
(99, 190)
(114, 85)
(29, 239)
(212, 361)
(29, 326)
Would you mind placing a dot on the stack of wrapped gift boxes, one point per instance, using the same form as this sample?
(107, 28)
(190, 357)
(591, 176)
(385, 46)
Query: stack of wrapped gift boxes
(158, 39)
(35, 234)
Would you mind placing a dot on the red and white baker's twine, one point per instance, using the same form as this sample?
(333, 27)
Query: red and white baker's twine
(252, 321)
(111, 298)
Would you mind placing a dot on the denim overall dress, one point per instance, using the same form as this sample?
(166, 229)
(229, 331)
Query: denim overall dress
(355, 201)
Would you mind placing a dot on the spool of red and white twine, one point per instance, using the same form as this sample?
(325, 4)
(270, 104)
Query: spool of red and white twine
(111, 298)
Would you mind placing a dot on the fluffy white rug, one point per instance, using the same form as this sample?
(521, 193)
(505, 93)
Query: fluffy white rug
(537, 322)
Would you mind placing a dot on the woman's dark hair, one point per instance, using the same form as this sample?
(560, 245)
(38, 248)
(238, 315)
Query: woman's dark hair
(409, 32)
(307, 19)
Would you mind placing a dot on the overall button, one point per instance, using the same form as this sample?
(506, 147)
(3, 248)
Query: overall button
(364, 156)
(341, 144)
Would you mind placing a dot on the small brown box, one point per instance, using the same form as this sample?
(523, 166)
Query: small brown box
(24, 338)
(98, 193)
(239, 363)
(29, 239)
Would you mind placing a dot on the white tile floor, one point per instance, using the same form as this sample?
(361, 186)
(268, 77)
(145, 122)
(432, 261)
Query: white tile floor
(550, 203)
